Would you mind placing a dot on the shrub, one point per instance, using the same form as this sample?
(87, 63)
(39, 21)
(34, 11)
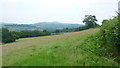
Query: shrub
(107, 41)
(110, 31)
(7, 36)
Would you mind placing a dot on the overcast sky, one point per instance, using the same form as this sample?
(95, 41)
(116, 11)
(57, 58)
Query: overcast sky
(65, 11)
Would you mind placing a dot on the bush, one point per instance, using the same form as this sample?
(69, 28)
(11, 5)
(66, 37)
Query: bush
(7, 36)
(107, 41)
(110, 31)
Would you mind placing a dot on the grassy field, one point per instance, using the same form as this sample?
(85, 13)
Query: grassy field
(55, 50)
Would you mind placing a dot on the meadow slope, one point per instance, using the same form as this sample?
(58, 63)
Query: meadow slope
(55, 50)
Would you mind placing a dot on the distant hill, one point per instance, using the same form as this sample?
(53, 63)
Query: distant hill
(51, 26)
(55, 25)
(19, 27)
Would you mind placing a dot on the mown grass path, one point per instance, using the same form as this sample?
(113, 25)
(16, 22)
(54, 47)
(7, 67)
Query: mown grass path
(55, 50)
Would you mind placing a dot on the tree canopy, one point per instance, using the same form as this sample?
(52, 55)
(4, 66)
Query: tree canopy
(90, 21)
(11, 36)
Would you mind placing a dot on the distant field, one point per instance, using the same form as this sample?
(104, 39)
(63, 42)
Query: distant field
(55, 50)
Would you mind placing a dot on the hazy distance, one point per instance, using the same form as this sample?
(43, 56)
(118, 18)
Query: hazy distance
(65, 11)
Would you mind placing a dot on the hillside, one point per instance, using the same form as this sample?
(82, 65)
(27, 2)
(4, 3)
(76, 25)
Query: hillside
(57, 50)
(51, 26)
(55, 25)
(20, 27)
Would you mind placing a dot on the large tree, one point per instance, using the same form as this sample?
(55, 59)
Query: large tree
(7, 36)
(90, 21)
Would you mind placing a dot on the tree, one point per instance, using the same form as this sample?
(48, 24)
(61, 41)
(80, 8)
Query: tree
(57, 31)
(11, 36)
(7, 37)
(103, 22)
(90, 21)
(15, 34)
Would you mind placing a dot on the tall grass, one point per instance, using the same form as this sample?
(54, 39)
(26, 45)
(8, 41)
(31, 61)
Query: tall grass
(72, 49)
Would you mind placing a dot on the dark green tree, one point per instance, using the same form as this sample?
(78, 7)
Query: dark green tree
(7, 37)
(57, 31)
(15, 34)
(90, 21)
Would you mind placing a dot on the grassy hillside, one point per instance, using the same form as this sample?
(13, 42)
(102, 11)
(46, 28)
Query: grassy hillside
(58, 50)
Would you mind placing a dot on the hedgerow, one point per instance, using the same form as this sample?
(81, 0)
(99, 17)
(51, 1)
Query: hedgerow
(107, 41)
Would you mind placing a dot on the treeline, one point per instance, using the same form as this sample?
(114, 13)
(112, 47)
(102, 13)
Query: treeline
(70, 29)
(89, 20)
(11, 36)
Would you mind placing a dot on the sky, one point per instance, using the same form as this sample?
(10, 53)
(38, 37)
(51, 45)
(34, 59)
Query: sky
(64, 11)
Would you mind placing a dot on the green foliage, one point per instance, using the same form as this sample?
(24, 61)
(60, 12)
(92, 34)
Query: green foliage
(15, 34)
(64, 30)
(107, 41)
(110, 31)
(61, 50)
(90, 21)
(34, 33)
(110, 34)
(96, 45)
(7, 36)
(80, 28)
(11, 36)
(70, 29)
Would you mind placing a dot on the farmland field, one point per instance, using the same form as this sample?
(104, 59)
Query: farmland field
(54, 50)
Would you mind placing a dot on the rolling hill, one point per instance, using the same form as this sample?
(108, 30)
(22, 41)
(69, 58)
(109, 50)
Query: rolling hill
(20, 27)
(55, 25)
(51, 26)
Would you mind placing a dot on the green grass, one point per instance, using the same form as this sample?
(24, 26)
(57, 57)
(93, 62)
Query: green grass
(57, 50)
